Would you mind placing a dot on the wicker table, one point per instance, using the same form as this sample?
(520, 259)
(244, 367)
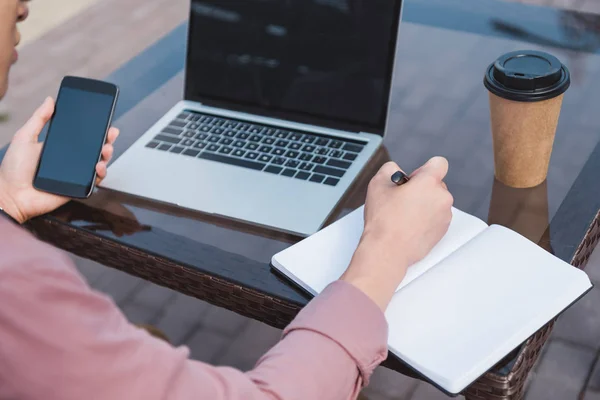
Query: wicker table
(439, 106)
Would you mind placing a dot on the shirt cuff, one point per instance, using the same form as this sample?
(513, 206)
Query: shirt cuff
(349, 317)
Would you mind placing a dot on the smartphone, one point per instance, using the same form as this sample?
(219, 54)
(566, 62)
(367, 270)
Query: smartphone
(76, 134)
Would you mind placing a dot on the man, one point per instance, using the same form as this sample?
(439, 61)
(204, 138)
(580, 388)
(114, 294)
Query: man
(61, 340)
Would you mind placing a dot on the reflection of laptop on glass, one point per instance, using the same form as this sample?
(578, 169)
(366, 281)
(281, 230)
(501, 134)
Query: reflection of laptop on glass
(285, 103)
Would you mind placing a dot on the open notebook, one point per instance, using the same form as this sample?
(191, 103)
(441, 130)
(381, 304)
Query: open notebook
(479, 294)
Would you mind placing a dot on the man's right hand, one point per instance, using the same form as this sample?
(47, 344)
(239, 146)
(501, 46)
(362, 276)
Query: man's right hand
(402, 225)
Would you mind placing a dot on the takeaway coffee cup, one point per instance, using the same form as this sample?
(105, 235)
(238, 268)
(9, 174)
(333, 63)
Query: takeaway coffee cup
(526, 90)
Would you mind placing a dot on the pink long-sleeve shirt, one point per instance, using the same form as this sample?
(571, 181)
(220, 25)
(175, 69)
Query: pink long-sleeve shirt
(59, 339)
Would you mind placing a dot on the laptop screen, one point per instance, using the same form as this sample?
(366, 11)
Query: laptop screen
(323, 62)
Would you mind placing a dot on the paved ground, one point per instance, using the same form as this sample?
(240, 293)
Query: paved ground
(569, 368)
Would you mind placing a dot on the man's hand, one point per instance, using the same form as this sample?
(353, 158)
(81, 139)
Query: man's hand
(402, 225)
(18, 197)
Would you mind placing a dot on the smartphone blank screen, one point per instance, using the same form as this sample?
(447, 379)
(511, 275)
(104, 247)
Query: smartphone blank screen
(76, 136)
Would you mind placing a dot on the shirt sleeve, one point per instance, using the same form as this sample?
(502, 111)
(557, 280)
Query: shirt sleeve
(59, 339)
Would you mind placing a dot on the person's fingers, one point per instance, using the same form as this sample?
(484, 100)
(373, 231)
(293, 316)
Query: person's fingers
(107, 152)
(436, 167)
(101, 171)
(444, 185)
(113, 134)
(387, 170)
(32, 128)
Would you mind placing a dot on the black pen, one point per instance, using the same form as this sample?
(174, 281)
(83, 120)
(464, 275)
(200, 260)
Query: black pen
(399, 178)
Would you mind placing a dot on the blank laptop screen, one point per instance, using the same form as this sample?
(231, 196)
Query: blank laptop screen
(326, 62)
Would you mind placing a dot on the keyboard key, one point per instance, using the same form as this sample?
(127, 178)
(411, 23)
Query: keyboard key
(292, 154)
(288, 172)
(331, 181)
(305, 157)
(243, 135)
(188, 142)
(202, 136)
(240, 162)
(216, 131)
(189, 134)
(239, 143)
(191, 152)
(193, 126)
(164, 147)
(152, 144)
(256, 129)
(323, 151)
(226, 141)
(184, 115)
(239, 153)
(281, 134)
(273, 169)
(218, 122)
(339, 164)
(309, 148)
(278, 160)
(336, 144)
(317, 178)
(252, 146)
(172, 131)
(255, 138)
(320, 169)
(282, 143)
(265, 158)
(270, 132)
(213, 147)
(200, 145)
(230, 125)
(230, 133)
(265, 149)
(355, 148)
(214, 139)
(252, 156)
(336, 154)
(225, 150)
(306, 166)
(177, 149)
(268, 140)
(278, 151)
(302, 175)
(295, 146)
(296, 136)
(243, 127)
(319, 160)
(205, 128)
(292, 164)
(322, 142)
(207, 120)
(308, 139)
(350, 156)
(178, 123)
(167, 138)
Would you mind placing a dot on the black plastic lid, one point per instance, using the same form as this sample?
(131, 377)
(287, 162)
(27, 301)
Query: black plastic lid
(527, 75)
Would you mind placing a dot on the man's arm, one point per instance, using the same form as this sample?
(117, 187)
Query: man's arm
(61, 340)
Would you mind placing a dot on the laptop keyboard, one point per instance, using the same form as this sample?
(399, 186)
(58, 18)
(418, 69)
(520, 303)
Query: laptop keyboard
(289, 153)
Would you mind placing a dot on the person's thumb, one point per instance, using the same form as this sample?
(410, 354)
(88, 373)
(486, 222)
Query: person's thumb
(436, 167)
(32, 128)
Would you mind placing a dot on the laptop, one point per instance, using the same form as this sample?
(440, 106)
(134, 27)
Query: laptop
(285, 103)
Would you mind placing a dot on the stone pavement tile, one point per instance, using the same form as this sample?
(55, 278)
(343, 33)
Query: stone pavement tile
(388, 384)
(591, 395)
(425, 391)
(594, 382)
(250, 345)
(590, 6)
(118, 285)
(208, 346)
(92, 271)
(137, 314)
(562, 372)
(223, 321)
(153, 296)
(181, 317)
(593, 266)
(581, 322)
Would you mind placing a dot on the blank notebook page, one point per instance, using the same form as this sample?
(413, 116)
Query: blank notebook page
(461, 317)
